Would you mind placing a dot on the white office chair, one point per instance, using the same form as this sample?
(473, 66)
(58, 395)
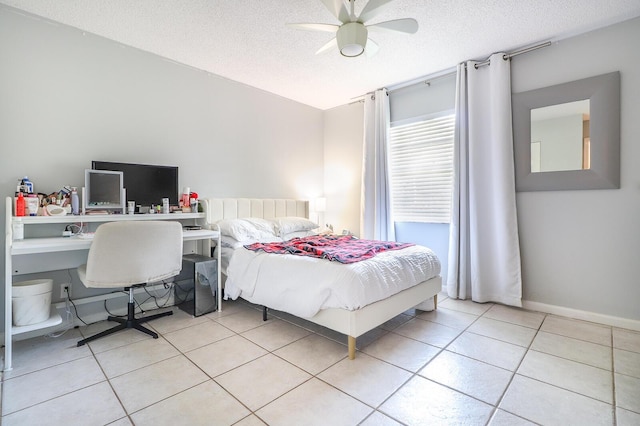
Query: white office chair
(132, 254)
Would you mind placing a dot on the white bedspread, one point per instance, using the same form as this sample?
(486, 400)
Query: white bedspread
(303, 285)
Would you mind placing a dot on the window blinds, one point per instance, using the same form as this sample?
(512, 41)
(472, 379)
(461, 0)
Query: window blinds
(421, 169)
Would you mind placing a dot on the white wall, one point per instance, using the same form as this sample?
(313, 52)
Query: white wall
(343, 137)
(67, 98)
(579, 248)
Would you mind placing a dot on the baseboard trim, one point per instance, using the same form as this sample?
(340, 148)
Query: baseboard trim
(619, 322)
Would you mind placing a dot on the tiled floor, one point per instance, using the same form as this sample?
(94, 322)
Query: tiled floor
(465, 363)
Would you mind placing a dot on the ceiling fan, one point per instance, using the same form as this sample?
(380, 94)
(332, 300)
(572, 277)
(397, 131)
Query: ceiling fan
(352, 35)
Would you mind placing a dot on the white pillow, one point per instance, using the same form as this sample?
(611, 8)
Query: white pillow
(289, 224)
(232, 243)
(247, 229)
(299, 234)
(228, 242)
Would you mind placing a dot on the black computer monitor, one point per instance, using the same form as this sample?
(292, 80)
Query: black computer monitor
(145, 184)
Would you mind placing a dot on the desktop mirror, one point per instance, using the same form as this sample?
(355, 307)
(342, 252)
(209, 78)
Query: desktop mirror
(567, 136)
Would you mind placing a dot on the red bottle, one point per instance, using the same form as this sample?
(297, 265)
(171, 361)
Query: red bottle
(20, 205)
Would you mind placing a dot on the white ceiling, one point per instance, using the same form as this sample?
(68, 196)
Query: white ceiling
(247, 40)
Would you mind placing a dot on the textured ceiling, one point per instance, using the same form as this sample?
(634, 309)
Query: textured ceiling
(247, 40)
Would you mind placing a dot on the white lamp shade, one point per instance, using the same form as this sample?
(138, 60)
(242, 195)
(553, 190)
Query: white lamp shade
(321, 204)
(352, 38)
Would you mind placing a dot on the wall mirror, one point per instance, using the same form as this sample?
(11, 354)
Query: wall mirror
(568, 136)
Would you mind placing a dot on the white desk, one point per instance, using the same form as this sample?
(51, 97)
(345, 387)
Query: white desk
(47, 253)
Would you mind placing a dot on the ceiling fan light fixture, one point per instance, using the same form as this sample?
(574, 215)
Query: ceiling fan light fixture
(352, 39)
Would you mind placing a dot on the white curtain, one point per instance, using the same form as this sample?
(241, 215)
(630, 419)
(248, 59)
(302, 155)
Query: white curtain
(484, 250)
(376, 222)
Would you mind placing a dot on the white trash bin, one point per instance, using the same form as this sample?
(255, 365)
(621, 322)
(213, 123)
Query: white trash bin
(31, 301)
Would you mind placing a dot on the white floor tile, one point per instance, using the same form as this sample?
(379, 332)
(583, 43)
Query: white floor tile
(313, 353)
(202, 405)
(93, 405)
(379, 419)
(224, 355)
(627, 418)
(42, 352)
(495, 352)
(626, 339)
(362, 378)
(198, 335)
(574, 376)
(449, 317)
(127, 358)
(269, 377)
(428, 332)
(550, 405)
(142, 387)
(467, 351)
(275, 334)
(251, 420)
(515, 316)
(581, 330)
(121, 422)
(314, 403)
(574, 349)
(244, 320)
(627, 392)
(474, 378)
(510, 333)
(423, 402)
(179, 319)
(502, 418)
(401, 351)
(34, 388)
(626, 362)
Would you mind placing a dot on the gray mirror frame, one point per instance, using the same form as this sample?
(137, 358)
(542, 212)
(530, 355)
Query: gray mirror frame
(603, 91)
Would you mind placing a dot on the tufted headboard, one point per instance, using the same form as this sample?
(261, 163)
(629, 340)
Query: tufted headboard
(267, 208)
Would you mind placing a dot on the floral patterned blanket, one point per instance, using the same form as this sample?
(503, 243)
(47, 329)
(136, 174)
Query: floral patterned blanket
(339, 248)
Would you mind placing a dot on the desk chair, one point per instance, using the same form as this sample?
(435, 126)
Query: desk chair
(131, 254)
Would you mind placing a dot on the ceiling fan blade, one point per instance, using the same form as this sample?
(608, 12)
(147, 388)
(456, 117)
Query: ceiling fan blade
(371, 48)
(406, 25)
(372, 9)
(337, 9)
(332, 44)
(329, 28)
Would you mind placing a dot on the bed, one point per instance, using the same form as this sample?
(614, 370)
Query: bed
(352, 318)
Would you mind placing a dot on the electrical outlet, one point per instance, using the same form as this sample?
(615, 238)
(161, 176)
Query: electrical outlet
(63, 290)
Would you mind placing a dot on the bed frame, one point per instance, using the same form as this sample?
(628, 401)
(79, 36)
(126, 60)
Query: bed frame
(352, 323)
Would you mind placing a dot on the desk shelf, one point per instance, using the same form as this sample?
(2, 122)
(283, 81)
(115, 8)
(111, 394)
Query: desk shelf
(54, 319)
(56, 244)
(38, 253)
(96, 218)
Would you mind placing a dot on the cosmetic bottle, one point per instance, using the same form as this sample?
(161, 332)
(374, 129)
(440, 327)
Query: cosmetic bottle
(75, 202)
(20, 204)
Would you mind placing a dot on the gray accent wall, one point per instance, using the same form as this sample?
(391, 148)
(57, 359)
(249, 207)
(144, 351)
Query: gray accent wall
(580, 249)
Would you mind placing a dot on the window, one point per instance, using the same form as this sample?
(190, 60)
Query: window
(421, 169)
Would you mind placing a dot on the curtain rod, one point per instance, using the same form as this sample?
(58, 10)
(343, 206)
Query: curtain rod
(517, 52)
(447, 72)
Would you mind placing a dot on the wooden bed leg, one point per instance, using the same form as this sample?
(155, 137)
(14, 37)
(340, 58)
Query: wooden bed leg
(435, 302)
(352, 347)
(264, 313)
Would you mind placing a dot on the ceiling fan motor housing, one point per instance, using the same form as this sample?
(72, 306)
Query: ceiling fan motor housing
(352, 39)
